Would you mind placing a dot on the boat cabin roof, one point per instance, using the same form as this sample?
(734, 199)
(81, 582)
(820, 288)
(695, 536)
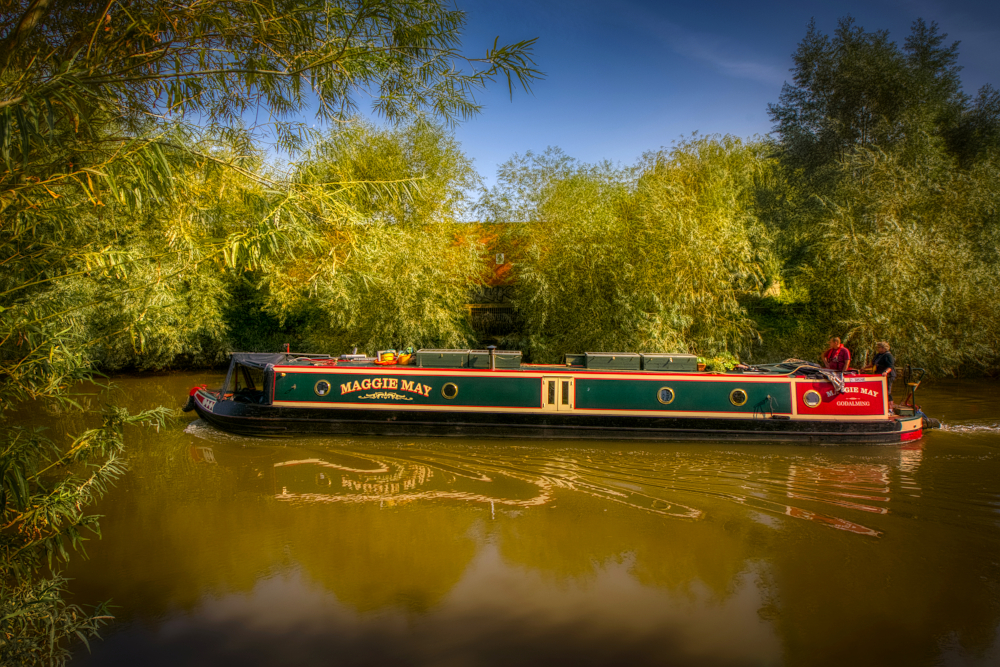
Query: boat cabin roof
(512, 361)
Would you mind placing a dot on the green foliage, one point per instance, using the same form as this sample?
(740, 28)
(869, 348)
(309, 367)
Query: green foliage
(651, 257)
(903, 253)
(886, 213)
(45, 488)
(397, 272)
(132, 192)
(251, 326)
(30, 610)
(859, 90)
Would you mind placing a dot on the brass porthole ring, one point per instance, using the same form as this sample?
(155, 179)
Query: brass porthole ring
(322, 388)
(812, 398)
(449, 390)
(738, 397)
(665, 395)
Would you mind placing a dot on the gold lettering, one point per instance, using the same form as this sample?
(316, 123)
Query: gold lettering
(427, 390)
(393, 383)
(357, 386)
(366, 384)
(377, 383)
(408, 386)
(344, 388)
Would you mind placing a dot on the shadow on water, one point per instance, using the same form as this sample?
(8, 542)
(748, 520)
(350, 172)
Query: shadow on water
(222, 549)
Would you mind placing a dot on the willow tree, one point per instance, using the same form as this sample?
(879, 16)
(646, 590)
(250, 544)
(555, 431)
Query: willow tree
(889, 226)
(652, 257)
(908, 253)
(112, 116)
(397, 272)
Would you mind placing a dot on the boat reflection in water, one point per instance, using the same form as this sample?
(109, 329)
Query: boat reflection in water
(314, 480)
(810, 489)
(348, 477)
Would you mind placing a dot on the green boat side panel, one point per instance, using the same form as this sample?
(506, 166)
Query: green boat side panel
(443, 358)
(504, 359)
(669, 362)
(409, 389)
(614, 361)
(575, 360)
(689, 396)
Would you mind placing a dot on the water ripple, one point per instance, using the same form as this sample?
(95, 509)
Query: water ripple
(680, 487)
(971, 428)
(844, 489)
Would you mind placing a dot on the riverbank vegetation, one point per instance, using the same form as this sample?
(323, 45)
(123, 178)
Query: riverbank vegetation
(145, 223)
(869, 213)
(136, 203)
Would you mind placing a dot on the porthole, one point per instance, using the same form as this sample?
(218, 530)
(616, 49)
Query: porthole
(449, 390)
(738, 397)
(812, 398)
(665, 395)
(322, 388)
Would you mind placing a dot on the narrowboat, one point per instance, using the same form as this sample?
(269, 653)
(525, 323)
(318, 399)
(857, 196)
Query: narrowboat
(605, 395)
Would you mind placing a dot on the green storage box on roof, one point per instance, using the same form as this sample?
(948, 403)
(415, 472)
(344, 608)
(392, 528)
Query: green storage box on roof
(613, 361)
(443, 358)
(504, 358)
(669, 362)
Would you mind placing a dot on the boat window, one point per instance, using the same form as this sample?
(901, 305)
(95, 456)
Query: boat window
(247, 384)
(253, 377)
(738, 397)
(812, 398)
(665, 395)
(449, 390)
(322, 388)
(565, 392)
(552, 392)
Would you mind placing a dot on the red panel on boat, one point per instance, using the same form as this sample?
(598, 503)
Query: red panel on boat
(861, 398)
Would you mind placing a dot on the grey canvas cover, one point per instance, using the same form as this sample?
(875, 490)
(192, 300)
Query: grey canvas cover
(260, 359)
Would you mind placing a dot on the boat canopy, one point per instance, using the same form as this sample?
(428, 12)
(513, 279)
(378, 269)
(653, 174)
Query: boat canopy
(251, 373)
(250, 376)
(260, 359)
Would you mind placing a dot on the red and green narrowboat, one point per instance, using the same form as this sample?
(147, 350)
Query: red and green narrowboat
(614, 396)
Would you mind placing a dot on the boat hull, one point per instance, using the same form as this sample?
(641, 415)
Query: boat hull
(266, 420)
(299, 394)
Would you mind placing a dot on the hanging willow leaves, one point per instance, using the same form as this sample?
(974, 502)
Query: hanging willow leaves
(652, 257)
(132, 188)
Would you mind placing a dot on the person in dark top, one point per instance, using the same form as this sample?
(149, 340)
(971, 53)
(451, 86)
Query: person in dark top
(885, 364)
(837, 357)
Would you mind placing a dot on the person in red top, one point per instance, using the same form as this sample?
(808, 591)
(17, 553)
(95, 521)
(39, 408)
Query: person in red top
(837, 357)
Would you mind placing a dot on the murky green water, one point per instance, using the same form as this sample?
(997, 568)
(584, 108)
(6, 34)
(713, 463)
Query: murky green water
(223, 550)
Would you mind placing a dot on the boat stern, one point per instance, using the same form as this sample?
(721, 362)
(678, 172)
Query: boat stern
(911, 427)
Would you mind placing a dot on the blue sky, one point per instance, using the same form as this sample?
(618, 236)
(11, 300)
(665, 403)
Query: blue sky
(626, 77)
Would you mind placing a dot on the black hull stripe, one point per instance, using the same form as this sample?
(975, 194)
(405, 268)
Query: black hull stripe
(540, 426)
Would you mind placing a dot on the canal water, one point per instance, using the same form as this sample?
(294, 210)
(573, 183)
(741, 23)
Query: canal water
(224, 550)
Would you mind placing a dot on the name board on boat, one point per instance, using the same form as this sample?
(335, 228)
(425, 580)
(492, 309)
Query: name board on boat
(858, 398)
(385, 388)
